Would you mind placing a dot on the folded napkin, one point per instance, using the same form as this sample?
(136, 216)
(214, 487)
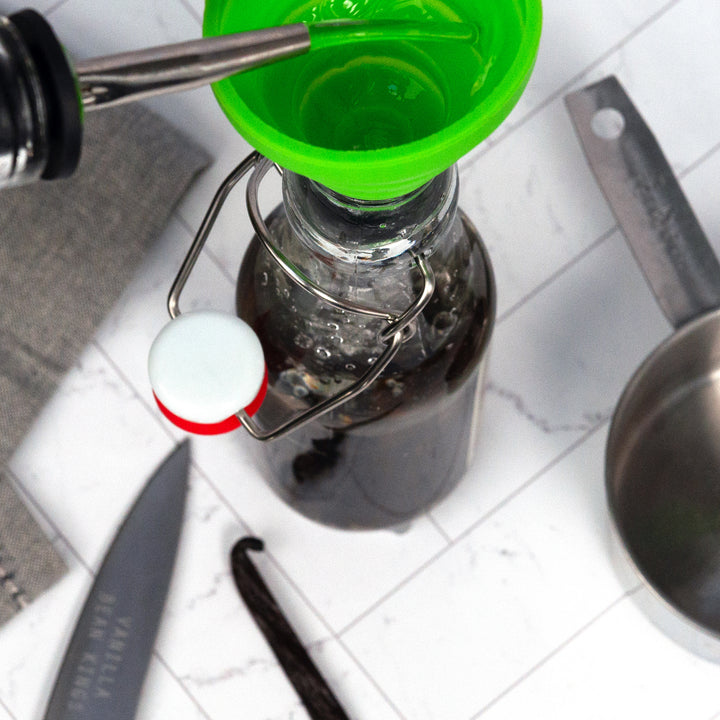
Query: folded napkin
(67, 249)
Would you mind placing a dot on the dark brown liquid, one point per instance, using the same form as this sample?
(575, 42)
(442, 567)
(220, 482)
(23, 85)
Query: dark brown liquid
(394, 451)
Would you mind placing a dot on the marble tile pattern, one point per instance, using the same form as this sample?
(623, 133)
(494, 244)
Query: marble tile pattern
(505, 601)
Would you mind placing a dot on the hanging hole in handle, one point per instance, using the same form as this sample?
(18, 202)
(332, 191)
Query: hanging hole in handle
(608, 123)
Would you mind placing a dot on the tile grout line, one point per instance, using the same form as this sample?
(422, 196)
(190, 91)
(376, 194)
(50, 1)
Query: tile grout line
(681, 174)
(247, 528)
(332, 633)
(695, 164)
(177, 679)
(441, 530)
(534, 478)
(371, 679)
(77, 554)
(569, 640)
(405, 581)
(86, 566)
(55, 7)
(556, 274)
(505, 315)
(486, 516)
(41, 510)
(9, 712)
(206, 250)
(192, 11)
(563, 89)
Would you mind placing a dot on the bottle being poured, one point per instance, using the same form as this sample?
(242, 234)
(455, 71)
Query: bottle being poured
(46, 139)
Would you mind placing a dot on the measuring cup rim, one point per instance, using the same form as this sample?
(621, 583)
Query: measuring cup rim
(616, 434)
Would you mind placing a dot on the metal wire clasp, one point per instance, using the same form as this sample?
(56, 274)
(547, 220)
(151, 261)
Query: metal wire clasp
(392, 336)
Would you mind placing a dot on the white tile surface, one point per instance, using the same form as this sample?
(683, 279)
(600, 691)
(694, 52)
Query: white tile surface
(504, 602)
(575, 35)
(11, 6)
(617, 667)
(677, 96)
(87, 459)
(341, 574)
(33, 645)
(532, 210)
(499, 601)
(90, 29)
(557, 366)
(129, 329)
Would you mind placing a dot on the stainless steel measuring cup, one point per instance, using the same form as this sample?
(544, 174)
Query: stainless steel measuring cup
(663, 451)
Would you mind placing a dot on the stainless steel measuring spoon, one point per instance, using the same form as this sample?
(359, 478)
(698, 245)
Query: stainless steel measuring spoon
(663, 451)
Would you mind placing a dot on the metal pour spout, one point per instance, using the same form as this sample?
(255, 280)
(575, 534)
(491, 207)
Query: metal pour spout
(44, 92)
(131, 76)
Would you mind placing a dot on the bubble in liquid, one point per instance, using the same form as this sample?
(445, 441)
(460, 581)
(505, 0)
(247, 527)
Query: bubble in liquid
(303, 341)
(322, 352)
(295, 382)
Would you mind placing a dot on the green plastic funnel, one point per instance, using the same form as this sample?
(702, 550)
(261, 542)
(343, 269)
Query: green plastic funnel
(375, 120)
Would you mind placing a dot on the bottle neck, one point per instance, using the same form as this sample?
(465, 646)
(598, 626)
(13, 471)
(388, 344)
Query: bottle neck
(344, 229)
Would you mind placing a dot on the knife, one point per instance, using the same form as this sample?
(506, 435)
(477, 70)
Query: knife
(108, 655)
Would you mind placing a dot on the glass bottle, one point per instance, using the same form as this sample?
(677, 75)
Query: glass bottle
(400, 446)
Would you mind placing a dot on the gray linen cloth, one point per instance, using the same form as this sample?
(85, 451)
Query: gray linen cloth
(67, 249)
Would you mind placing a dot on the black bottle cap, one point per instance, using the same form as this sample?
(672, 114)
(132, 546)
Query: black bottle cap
(64, 115)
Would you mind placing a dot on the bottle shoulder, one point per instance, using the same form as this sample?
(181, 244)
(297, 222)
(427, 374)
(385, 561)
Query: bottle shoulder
(308, 339)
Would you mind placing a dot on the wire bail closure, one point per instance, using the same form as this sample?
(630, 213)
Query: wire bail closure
(392, 336)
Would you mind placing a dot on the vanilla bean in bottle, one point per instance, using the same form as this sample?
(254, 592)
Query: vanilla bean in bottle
(399, 447)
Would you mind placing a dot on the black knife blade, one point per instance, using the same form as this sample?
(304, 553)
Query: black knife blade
(106, 661)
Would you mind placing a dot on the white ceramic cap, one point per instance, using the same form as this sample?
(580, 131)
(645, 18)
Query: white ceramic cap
(204, 367)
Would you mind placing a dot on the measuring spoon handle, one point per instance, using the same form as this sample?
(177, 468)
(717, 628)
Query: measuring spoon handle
(647, 201)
